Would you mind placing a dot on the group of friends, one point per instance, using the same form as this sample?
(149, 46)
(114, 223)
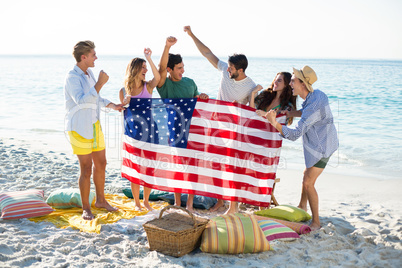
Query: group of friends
(83, 104)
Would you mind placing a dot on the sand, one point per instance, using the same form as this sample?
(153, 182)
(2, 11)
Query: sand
(361, 219)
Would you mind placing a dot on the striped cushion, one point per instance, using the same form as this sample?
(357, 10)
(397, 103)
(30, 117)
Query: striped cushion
(23, 204)
(276, 231)
(299, 228)
(234, 234)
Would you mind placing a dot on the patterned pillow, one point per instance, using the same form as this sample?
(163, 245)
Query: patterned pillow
(233, 234)
(67, 198)
(276, 231)
(23, 204)
(285, 212)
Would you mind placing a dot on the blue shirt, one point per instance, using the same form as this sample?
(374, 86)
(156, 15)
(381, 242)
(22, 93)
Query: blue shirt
(81, 100)
(317, 128)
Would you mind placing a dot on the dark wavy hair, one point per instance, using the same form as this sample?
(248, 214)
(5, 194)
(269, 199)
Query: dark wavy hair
(265, 98)
(239, 61)
(173, 60)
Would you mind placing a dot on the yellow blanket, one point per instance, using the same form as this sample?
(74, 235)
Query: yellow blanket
(72, 217)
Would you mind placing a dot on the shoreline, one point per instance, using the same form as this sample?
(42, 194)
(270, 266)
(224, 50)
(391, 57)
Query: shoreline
(361, 222)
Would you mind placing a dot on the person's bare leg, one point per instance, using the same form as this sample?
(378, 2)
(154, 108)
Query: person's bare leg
(99, 168)
(147, 192)
(233, 208)
(189, 204)
(177, 199)
(303, 198)
(135, 190)
(309, 179)
(217, 206)
(84, 183)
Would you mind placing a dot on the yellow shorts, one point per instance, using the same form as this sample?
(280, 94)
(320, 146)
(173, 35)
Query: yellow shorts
(82, 146)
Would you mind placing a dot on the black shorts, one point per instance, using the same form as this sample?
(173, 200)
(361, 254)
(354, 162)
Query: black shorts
(322, 163)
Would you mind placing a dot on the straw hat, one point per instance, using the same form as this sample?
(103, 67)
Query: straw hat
(307, 75)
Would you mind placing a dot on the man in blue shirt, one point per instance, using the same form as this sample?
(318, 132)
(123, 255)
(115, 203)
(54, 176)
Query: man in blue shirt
(83, 103)
(317, 127)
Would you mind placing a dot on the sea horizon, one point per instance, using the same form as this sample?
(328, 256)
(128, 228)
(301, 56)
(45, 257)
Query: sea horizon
(221, 57)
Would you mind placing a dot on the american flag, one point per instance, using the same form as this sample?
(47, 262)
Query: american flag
(203, 147)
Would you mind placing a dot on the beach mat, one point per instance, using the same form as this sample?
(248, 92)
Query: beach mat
(72, 217)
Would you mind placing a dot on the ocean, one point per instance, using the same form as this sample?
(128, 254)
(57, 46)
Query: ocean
(365, 97)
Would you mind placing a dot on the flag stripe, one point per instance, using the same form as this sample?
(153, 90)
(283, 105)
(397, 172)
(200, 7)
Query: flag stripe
(191, 177)
(196, 188)
(231, 156)
(190, 163)
(214, 133)
(245, 130)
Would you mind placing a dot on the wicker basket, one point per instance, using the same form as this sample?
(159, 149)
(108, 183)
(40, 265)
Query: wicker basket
(175, 234)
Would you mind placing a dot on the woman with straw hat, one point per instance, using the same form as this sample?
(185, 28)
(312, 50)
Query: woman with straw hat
(317, 127)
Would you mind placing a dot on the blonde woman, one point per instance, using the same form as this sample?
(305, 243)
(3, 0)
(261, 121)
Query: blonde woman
(135, 86)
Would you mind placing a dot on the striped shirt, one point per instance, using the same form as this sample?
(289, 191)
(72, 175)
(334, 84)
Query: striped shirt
(317, 128)
(232, 90)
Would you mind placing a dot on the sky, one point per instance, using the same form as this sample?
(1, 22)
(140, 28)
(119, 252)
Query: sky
(345, 29)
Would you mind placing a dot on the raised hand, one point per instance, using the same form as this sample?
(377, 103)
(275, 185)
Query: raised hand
(187, 29)
(170, 41)
(147, 53)
(256, 89)
(103, 78)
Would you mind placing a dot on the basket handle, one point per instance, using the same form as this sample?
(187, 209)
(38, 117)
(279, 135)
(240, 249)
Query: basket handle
(177, 207)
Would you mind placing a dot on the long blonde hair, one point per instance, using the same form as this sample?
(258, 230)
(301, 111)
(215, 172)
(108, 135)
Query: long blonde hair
(133, 70)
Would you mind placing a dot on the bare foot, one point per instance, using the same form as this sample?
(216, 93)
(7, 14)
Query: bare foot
(315, 227)
(303, 208)
(217, 206)
(191, 209)
(87, 215)
(148, 206)
(105, 205)
(231, 211)
(138, 208)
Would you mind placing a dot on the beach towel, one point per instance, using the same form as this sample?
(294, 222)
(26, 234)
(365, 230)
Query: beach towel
(72, 217)
(297, 227)
(211, 148)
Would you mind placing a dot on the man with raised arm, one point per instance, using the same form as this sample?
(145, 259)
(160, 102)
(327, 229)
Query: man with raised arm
(83, 103)
(176, 86)
(235, 86)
